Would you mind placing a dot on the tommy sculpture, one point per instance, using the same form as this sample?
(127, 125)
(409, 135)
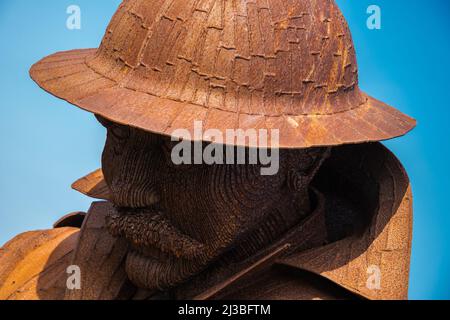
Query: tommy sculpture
(337, 212)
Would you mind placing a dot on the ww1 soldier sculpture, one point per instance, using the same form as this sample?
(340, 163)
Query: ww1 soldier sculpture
(335, 220)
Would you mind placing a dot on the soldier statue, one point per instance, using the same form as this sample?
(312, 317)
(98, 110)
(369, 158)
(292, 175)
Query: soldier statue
(335, 220)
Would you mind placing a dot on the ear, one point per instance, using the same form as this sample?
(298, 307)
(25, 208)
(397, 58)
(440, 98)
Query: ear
(297, 180)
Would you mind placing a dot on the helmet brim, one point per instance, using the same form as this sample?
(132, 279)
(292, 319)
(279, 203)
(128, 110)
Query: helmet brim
(67, 76)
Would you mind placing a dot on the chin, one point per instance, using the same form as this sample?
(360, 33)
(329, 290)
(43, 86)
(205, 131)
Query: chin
(159, 274)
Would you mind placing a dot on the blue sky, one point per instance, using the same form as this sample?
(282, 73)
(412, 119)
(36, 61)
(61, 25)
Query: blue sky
(46, 145)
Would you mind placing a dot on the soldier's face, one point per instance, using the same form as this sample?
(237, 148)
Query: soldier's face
(178, 219)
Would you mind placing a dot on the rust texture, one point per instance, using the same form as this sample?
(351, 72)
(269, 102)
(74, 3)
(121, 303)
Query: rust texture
(376, 197)
(339, 205)
(288, 65)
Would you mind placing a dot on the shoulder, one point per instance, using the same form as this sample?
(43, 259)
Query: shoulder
(33, 264)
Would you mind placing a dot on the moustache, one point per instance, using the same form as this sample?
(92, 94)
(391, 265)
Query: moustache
(153, 230)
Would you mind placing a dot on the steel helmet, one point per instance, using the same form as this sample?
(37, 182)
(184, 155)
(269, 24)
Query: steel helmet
(232, 64)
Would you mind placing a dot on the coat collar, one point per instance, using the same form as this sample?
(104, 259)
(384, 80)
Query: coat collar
(373, 263)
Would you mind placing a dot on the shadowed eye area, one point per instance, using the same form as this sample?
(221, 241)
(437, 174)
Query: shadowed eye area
(168, 145)
(130, 161)
(178, 158)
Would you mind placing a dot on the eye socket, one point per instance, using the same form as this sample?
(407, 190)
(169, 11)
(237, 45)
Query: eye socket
(167, 146)
(118, 131)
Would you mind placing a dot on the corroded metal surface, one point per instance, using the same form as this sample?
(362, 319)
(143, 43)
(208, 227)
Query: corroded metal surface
(271, 64)
(380, 183)
(225, 231)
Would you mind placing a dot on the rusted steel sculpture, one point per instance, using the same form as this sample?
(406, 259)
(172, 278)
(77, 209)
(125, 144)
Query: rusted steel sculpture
(337, 213)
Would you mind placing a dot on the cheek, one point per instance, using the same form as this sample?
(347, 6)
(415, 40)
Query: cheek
(108, 166)
(195, 206)
(215, 205)
(131, 175)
